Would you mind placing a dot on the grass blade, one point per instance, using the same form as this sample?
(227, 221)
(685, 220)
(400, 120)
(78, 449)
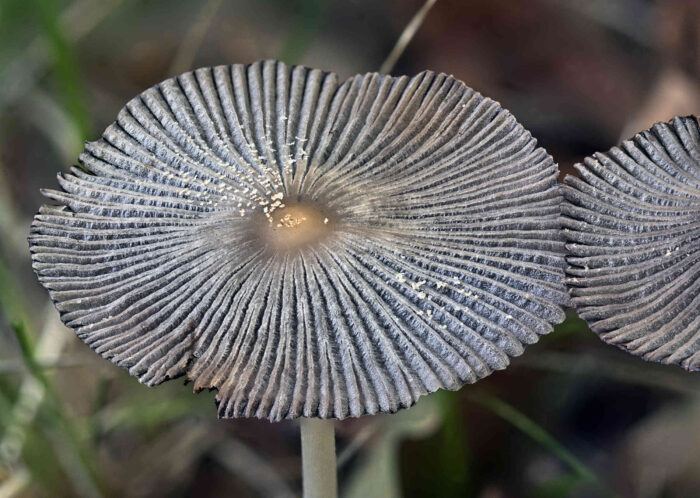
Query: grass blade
(535, 432)
(406, 36)
(83, 469)
(185, 55)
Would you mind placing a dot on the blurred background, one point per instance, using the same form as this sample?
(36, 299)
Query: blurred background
(571, 417)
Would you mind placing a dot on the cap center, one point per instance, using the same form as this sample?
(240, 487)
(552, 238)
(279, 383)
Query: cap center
(295, 225)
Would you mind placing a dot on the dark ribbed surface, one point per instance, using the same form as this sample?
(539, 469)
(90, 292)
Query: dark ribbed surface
(443, 258)
(632, 221)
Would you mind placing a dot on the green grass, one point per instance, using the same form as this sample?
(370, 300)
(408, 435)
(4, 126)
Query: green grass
(303, 31)
(65, 65)
(84, 462)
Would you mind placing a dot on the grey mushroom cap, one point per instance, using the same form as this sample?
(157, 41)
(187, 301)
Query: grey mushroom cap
(307, 247)
(632, 221)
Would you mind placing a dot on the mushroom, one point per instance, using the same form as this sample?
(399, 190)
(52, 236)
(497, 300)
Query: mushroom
(306, 247)
(632, 221)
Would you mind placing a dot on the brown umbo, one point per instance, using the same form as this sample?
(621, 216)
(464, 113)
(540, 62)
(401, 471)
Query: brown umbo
(307, 247)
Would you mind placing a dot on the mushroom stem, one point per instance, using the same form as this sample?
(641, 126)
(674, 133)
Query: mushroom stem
(318, 458)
